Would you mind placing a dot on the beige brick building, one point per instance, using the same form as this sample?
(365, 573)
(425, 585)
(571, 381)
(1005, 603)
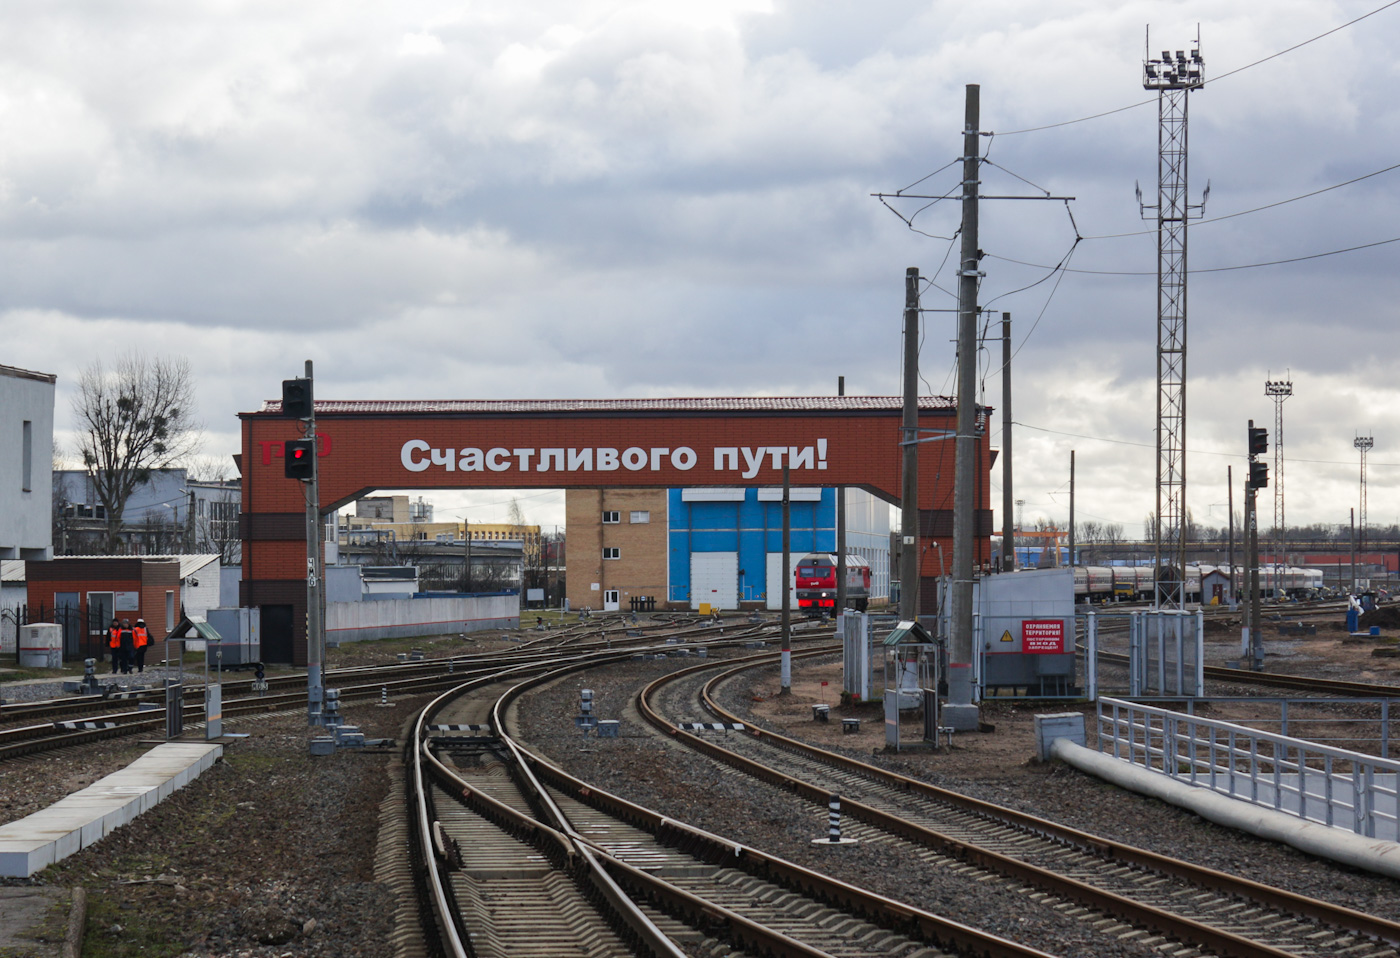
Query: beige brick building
(617, 547)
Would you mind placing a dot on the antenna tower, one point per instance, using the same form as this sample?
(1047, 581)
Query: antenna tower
(1173, 78)
(1364, 444)
(1279, 391)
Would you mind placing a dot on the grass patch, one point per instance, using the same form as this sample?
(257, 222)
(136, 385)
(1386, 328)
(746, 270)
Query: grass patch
(47, 932)
(251, 763)
(23, 675)
(141, 932)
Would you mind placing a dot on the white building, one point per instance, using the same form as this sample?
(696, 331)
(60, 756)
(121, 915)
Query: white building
(169, 513)
(26, 464)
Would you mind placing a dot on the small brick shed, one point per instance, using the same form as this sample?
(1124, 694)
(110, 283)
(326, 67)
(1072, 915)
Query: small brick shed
(85, 593)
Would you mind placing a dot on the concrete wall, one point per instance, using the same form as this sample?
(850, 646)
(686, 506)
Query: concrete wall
(26, 467)
(199, 599)
(410, 618)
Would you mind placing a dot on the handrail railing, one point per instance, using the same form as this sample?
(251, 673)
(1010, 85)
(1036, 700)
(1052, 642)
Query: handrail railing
(1317, 783)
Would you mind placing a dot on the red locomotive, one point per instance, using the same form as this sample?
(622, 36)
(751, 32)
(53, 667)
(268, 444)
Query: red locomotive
(816, 583)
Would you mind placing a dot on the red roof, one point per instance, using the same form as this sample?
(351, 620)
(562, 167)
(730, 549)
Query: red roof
(742, 404)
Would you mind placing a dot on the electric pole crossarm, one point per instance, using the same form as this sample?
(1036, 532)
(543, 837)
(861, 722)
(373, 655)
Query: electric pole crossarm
(980, 196)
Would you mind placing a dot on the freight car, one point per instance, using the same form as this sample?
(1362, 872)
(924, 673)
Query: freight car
(1135, 583)
(816, 583)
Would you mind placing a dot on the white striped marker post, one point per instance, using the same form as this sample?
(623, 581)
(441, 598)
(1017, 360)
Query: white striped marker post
(833, 825)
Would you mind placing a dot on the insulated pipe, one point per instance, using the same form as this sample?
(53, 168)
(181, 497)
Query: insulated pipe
(1324, 841)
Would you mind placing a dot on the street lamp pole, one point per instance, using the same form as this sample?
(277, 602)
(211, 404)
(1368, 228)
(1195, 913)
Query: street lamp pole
(466, 554)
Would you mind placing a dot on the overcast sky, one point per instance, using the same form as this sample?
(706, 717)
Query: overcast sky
(597, 198)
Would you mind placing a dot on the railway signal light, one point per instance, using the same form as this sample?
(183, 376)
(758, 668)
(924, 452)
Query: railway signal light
(1258, 439)
(296, 398)
(299, 458)
(1259, 475)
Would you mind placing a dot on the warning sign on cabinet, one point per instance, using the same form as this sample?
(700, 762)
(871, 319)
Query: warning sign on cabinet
(1042, 636)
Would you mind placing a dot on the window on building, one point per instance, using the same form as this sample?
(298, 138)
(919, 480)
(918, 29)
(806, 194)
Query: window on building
(27, 469)
(611, 517)
(612, 552)
(642, 516)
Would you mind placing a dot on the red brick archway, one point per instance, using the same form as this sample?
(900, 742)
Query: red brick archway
(562, 444)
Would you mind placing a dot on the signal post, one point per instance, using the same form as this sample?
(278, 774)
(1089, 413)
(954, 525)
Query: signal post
(1258, 479)
(299, 459)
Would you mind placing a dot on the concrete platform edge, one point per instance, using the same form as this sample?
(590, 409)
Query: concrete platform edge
(33, 843)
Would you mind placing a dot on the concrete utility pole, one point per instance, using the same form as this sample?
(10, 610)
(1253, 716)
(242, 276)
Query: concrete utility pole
(786, 664)
(466, 555)
(1353, 551)
(840, 531)
(1020, 514)
(1008, 539)
(961, 713)
(1071, 507)
(909, 475)
(1230, 504)
(1256, 636)
(1279, 391)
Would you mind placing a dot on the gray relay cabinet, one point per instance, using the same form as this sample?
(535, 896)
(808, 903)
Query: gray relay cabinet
(1025, 635)
(241, 631)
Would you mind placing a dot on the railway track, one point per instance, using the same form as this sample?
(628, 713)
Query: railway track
(77, 722)
(1204, 910)
(585, 635)
(526, 861)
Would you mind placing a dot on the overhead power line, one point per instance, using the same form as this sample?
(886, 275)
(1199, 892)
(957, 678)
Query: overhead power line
(1211, 269)
(1247, 66)
(1195, 451)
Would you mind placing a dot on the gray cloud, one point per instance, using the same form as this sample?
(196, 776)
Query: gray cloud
(607, 199)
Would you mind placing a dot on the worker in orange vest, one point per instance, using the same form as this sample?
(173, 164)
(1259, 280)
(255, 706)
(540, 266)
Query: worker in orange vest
(142, 639)
(127, 641)
(114, 642)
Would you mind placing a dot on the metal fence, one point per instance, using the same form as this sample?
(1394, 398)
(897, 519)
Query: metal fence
(1317, 783)
(84, 628)
(1361, 724)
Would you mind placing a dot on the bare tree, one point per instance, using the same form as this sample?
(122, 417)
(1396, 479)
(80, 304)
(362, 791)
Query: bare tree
(133, 419)
(216, 508)
(531, 554)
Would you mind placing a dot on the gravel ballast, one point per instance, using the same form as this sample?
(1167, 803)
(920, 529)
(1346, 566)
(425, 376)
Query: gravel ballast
(272, 851)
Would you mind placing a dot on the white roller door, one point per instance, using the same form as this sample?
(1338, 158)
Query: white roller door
(714, 578)
(775, 576)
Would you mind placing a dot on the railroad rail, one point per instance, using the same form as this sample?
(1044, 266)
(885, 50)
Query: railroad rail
(586, 635)
(287, 693)
(488, 805)
(1305, 683)
(1154, 892)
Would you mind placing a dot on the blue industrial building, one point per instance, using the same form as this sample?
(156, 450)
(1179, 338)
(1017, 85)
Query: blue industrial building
(724, 545)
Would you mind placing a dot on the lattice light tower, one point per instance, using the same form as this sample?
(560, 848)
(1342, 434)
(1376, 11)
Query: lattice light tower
(1364, 444)
(1279, 391)
(1173, 78)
